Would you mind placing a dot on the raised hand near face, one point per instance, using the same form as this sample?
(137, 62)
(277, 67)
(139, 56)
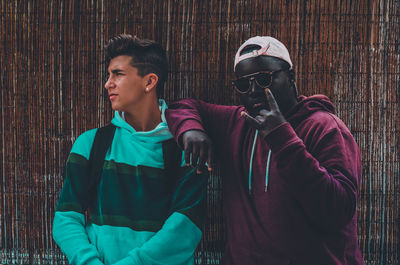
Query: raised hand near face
(266, 120)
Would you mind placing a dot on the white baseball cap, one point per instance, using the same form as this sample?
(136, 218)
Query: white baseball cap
(269, 46)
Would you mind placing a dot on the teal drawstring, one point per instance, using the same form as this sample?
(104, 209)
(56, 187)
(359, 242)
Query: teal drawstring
(251, 159)
(267, 170)
(251, 164)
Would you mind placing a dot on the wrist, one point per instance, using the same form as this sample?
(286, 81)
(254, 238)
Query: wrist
(271, 128)
(278, 136)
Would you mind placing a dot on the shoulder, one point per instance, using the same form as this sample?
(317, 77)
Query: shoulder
(324, 120)
(83, 144)
(321, 124)
(328, 121)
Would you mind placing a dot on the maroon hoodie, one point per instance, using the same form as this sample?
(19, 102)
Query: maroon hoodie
(298, 206)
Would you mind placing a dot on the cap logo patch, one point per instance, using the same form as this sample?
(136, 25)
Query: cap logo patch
(263, 50)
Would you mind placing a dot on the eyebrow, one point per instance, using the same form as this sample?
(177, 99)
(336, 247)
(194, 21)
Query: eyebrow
(116, 71)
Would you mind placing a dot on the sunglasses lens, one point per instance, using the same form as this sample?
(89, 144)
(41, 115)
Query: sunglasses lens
(242, 84)
(264, 79)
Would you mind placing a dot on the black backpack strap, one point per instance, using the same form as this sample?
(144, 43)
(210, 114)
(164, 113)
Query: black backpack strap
(172, 155)
(102, 141)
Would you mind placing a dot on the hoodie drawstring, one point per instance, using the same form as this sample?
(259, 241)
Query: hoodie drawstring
(267, 171)
(251, 164)
(251, 159)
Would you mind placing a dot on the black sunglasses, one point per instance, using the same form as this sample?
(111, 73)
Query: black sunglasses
(263, 79)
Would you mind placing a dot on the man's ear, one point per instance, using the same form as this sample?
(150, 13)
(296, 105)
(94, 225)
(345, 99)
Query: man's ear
(293, 82)
(292, 75)
(151, 80)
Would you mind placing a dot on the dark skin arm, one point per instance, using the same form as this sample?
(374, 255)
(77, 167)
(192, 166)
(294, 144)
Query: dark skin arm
(198, 146)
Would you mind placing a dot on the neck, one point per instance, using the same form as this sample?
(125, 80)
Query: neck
(145, 116)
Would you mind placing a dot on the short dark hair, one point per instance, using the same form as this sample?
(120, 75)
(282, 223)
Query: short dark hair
(150, 54)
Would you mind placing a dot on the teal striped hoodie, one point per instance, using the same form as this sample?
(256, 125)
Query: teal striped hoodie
(141, 216)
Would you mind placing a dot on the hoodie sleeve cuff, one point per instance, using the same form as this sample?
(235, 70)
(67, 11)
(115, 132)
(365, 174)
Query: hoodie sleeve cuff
(281, 137)
(189, 125)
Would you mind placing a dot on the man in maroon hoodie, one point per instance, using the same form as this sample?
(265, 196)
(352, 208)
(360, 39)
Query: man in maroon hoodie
(290, 167)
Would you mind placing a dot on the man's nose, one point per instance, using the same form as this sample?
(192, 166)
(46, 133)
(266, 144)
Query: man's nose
(253, 86)
(109, 83)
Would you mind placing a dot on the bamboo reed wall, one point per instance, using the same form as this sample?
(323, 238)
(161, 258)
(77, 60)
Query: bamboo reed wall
(52, 78)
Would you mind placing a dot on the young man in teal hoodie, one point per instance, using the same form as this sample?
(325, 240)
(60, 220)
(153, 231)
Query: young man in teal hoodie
(290, 167)
(139, 213)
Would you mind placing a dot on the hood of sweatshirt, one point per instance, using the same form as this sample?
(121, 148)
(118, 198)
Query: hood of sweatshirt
(307, 106)
(159, 134)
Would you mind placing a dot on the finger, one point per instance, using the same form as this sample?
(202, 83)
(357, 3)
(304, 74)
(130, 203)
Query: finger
(271, 100)
(261, 117)
(210, 161)
(263, 112)
(250, 119)
(195, 155)
(188, 151)
(202, 159)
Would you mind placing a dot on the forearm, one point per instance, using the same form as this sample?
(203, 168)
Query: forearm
(190, 114)
(70, 235)
(326, 185)
(176, 241)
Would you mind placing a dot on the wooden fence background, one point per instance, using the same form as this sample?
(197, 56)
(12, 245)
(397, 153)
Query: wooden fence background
(52, 89)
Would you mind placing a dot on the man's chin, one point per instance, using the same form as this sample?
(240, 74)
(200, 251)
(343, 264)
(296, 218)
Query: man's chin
(115, 107)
